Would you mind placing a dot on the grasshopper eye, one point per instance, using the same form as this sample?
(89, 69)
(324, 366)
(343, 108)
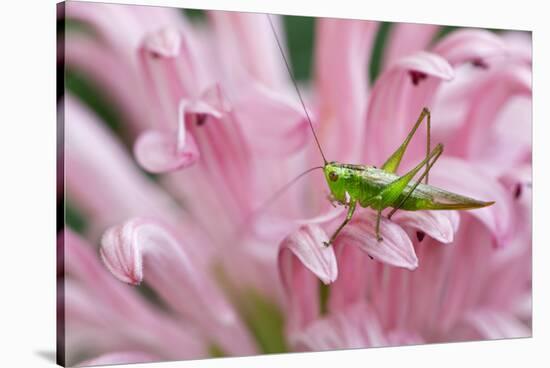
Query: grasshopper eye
(333, 176)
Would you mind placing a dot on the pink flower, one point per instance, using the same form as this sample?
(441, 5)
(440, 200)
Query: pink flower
(209, 107)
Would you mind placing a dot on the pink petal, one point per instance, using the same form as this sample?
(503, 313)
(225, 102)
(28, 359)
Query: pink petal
(407, 38)
(519, 45)
(249, 49)
(163, 43)
(160, 152)
(496, 325)
(226, 161)
(328, 216)
(342, 45)
(395, 249)
(470, 45)
(457, 176)
(351, 285)
(113, 22)
(268, 118)
(137, 245)
(397, 100)
(523, 307)
(105, 184)
(400, 338)
(157, 152)
(440, 225)
(122, 27)
(127, 357)
(512, 129)
(307, 245)
(269, 227)
(117, 79)
(355, 327)
(303, 259)
(103, 314)
(488, 98)
(169, 65)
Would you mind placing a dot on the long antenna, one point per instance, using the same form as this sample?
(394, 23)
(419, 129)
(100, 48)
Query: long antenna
(296, 86)
(275, 196)
(281, 190)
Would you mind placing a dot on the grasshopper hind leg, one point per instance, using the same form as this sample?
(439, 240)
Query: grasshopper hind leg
(392, 163)
(438, 153)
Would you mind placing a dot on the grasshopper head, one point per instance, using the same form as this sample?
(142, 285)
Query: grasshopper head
(336, 176)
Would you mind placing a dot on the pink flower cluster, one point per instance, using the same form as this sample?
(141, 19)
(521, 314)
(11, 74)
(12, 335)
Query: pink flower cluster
(210, 109)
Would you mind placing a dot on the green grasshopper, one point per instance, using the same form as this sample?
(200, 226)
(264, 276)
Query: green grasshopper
(382, 188)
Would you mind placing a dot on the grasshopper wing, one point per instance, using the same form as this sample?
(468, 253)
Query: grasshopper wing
(428, 197)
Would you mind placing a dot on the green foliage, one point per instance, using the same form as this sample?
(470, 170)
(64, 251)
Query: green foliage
(92, 95)
(76, 26)
(375, 66)
(216, 352)
(74, 218)
(300, 42)
(265, 320)
(442, 32)
(195, 14)
(300, 37)
(324, 291)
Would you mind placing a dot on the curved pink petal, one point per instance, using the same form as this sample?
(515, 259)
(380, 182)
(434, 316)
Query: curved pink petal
(342, 53)
(103, 314)
(163, 43)
(171, 59)
(407, 38)
(269, 118)
(303, 259)
(512, 129)
(157, 152)
(458, 176)
(123, 357)
(307, 244)
(397, 100)
(174, 77)
(122, 26)
(225, 169)
(487, 100)
(510, 270)
(142, 248)
(468, 45)
(101, 178)
(395, 249)
(167, 70)
(494, 64)
(440, 225)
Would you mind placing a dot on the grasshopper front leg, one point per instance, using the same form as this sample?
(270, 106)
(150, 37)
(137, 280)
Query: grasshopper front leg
(351, 210)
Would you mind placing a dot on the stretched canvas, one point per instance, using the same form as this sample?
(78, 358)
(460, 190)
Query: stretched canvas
(233, 184)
